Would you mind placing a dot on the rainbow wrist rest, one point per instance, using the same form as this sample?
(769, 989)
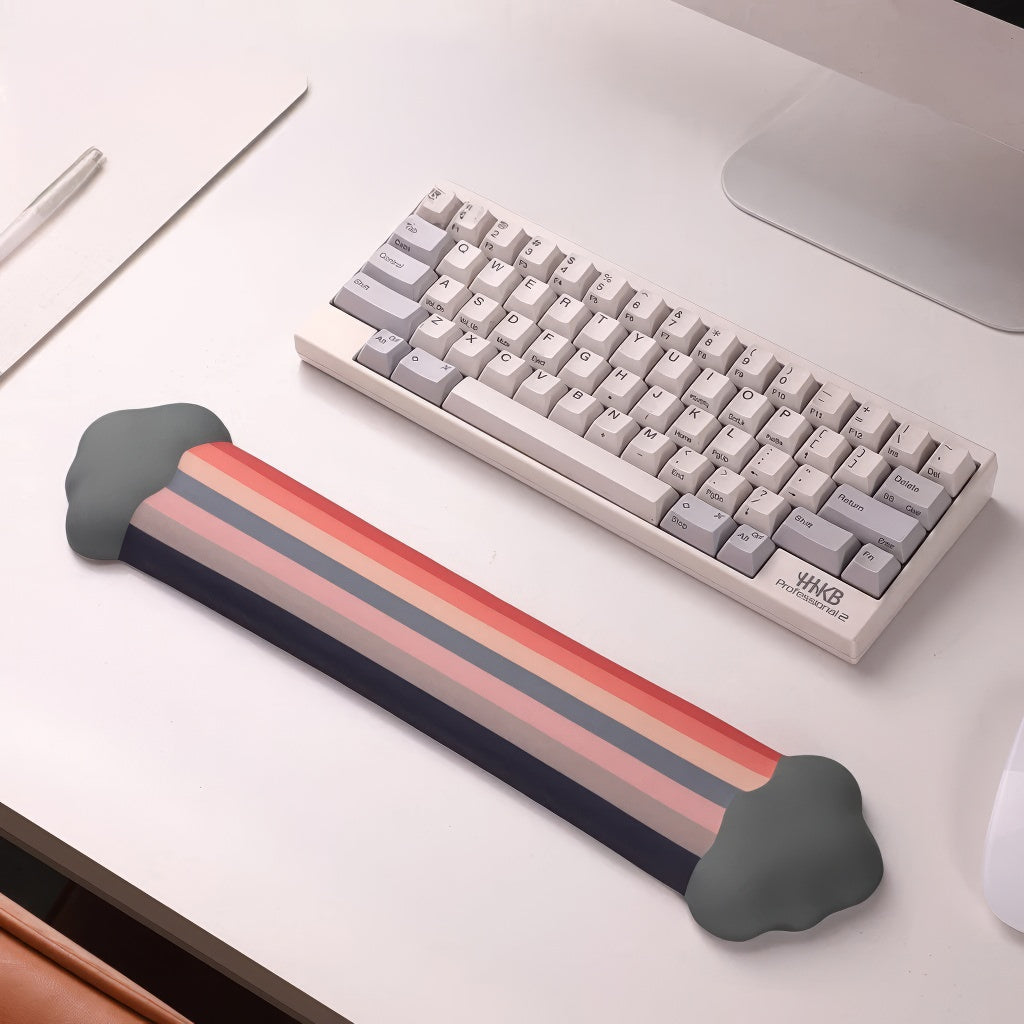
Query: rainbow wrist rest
(755, 841)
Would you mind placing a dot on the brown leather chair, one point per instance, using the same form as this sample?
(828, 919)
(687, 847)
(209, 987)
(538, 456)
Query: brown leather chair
(46, 979)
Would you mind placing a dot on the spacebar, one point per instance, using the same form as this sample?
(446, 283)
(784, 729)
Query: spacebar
(561, 450)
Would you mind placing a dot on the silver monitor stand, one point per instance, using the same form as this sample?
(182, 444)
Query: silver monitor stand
(896, 189)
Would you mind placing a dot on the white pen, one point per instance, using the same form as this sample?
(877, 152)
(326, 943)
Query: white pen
(49, 201)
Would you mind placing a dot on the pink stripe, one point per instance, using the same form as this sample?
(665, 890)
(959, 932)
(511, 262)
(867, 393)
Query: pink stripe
(643, 778)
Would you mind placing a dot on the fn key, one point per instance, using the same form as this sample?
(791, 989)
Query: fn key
(425, 375)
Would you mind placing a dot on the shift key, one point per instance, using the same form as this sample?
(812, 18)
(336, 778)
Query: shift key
(377, 305)
(823, 544)
(873, 522)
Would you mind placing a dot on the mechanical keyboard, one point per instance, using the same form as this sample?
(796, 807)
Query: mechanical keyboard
(800, 494)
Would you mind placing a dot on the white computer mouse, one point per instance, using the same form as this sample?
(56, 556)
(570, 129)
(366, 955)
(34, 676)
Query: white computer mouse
(1004, 847)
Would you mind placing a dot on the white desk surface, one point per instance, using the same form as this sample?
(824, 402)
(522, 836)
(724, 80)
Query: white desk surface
(346, 855)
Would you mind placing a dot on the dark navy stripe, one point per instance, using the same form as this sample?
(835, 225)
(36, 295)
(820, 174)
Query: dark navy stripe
(641, 747)
(642, 846)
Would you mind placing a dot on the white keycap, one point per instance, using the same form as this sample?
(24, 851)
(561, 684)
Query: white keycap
(574, 276)
(498, 280)
(602, 334)
(718, 349)
(463, 261)
(770, 467)
(649, 451)
(567, 316)
(786, 430)
(870, 426)
(561, 451)
(446, 297)
(515, 333)
(504, 241)
(505, 373)
(910, 446)
(638, 354)
(732, 447)
(951, 467)
(576, 411)
(585, 371)
(612, 431)
(825, 450)
(541, 392)
(711, 391)
(792, 388)
(621, 389)
(831, 407)
(608, 294)
(471, 353)
(421, 240)
(538, 258)
(531, 298)
(748, 410)
(680, 330)
(725, 490)
(438, 206)
(658, 409)
(644, 312)
(399, 271)
(864, 469)
(755, 369)
(674, 372)
(550, 352)
(808, 488)
(696, 428)
(763, 510)
(687, 471)
(480, 315)
(470, 223)
(436, 335)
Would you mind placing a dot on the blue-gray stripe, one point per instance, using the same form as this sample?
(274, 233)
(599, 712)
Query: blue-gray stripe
(643, 749)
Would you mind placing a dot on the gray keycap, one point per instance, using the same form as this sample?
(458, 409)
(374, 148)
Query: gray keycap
(872, 570)
(425, 375)
(380, 307)
(421, 240)
(747, 550)
(823, 544)
(383, 352)
(872, 522)
(399, 271)
(911, 493)
(697, 523)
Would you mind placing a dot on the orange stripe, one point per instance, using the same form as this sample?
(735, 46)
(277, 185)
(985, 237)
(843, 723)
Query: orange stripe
(463, 621)
(337, 522)
(564, 732)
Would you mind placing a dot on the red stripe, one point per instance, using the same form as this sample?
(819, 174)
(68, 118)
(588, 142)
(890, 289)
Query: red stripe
(643, 694)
